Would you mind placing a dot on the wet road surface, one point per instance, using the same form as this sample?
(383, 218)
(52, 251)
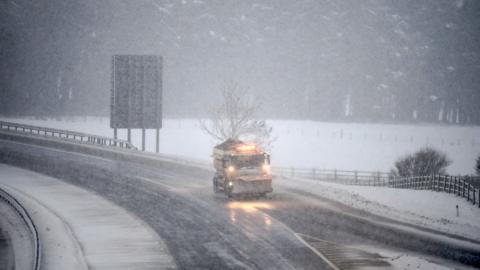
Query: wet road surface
(288, 230)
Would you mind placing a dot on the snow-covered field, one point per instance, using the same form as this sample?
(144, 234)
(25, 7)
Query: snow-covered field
(428, 209)
(307, 144)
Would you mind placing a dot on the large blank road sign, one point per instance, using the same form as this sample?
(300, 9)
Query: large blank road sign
(136, 98)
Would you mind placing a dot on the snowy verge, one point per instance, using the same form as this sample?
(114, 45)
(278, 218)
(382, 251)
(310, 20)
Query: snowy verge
(80, 230)
(424, 208)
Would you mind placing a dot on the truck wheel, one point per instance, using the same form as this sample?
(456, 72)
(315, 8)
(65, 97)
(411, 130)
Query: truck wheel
(215, 185)
(228, 191)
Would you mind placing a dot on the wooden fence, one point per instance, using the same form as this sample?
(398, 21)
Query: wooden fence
(458, 185)
(467, 187)
(337, 176)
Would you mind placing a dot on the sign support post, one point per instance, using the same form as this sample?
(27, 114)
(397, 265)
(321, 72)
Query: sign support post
(157, 141)
(115, 135)
(143, 139)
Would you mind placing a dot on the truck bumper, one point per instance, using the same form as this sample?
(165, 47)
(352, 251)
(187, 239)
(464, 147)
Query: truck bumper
(258, 186)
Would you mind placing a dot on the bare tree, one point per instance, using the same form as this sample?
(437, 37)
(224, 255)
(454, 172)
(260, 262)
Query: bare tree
(426, 161)
(235, 118)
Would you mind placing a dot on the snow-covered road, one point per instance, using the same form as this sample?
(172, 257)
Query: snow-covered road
(203, 230)
(80, 230)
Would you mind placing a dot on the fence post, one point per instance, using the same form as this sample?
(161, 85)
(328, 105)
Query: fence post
(468, 192)
(474, 201)
(313, 173)
(450, 183)
(463, 188)
(455, 189)
(335, 175)
(356, 177)
(455, 185)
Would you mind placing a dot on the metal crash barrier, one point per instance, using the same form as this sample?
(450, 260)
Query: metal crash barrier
(66, 135)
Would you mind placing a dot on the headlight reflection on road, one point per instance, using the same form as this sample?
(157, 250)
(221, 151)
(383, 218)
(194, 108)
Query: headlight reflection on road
(267, 220)
(249, 207)
(233, 216)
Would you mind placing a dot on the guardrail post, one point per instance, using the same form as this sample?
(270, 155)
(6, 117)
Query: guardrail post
(335, 175)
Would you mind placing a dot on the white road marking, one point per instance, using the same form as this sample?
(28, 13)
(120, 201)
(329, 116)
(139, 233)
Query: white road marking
(299, 237)
(156, 183)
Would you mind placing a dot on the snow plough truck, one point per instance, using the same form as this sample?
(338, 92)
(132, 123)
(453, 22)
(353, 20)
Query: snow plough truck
(241, 169)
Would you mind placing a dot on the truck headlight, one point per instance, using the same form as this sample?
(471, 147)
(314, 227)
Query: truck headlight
(231, 169)
(266, 169)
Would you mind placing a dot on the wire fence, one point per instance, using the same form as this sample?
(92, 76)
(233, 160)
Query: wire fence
(467, 187)
(73, 136)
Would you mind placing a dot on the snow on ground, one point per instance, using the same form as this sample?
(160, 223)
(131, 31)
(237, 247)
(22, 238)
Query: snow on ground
(80, 230)
(405, 261)
(336, 145)
(429, 209)
(307, 144)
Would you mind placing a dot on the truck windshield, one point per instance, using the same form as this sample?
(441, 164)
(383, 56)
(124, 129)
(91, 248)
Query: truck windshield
(248, 161)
